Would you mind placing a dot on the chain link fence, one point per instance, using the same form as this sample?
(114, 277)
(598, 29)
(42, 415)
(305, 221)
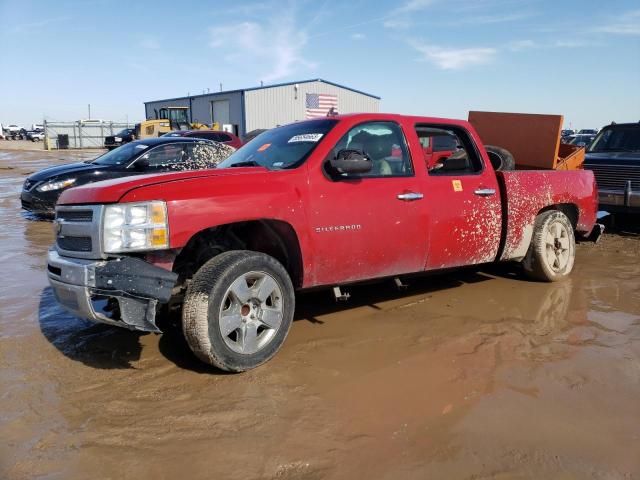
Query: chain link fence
(81, 134)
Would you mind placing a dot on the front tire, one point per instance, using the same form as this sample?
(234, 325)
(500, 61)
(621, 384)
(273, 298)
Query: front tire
(238, 310)
(552, 252)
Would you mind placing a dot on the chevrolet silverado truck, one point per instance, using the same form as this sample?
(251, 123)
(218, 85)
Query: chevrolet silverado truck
(318, 203)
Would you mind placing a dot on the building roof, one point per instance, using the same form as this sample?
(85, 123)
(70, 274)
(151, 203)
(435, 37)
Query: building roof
(264, 87)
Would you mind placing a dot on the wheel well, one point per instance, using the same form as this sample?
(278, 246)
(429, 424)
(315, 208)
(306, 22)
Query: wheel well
(569, 209)
(273, 237)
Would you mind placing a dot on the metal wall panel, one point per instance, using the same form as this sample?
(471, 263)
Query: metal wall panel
(272, 106)
(201, 107)
(82, 135)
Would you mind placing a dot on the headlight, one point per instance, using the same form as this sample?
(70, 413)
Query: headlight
(56, 185)
(118, 139)
(131, 227)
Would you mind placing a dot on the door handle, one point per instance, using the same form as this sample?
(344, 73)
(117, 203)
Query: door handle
(410, 196)
(485, 192)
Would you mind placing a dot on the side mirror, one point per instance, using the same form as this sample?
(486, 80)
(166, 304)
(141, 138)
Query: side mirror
(350, 161)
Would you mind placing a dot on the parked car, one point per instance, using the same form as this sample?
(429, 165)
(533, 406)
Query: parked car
(42, 189)
(588, 131)
(215, 135)
(614, 158)
(566, 133)
(252, 134)
(581, 140)
(125, 135)
(323, 202)
(12, 132)
(35, 136)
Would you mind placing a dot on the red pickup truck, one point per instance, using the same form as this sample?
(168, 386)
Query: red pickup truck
(318, 203)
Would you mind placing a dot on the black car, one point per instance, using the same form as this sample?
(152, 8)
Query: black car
(42, 189)
(614, 157)
(123, 136)
(580, 140)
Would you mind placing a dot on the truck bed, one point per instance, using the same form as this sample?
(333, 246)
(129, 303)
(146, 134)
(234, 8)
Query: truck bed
(526, 192)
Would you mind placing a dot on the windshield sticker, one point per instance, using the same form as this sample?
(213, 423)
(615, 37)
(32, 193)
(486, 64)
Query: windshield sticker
(278, 164)
(264, 147)
(141, 147)
(307, 137)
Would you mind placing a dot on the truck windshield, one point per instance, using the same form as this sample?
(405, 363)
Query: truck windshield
(617, 139)
(282, 147)
(121, 155)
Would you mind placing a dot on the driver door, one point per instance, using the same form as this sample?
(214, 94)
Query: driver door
(372, 224)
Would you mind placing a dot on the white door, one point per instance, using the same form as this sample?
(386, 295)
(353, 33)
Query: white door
(220, 112)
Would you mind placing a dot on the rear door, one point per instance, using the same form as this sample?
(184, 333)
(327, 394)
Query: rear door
(462, 197)
(368, 225)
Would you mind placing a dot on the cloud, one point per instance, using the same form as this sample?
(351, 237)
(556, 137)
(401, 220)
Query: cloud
(149, 43)
(273, 47)
(396, 23)
(520, 45)
(414, 6)
(626, 24)
(358, 36)
(398, 17)
(489, 19)
(27, 27)
(448, 58)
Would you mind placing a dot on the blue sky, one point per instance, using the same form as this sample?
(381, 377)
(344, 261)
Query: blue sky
(431, 57)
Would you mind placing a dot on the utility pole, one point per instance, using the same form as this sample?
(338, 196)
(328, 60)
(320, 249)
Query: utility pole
(89, 105)
(220, 87)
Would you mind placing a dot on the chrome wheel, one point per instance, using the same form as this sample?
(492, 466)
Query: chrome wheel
(557, 246)
(251, 312)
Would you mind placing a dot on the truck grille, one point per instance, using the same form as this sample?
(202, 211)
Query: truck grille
(78, 231)
(75, 244)
(615, 177)
(75, 215)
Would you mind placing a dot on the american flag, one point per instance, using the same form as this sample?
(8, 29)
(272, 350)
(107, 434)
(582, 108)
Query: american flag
(320, 104)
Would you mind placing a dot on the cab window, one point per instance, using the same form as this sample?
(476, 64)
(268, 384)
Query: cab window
(164, 155)
(448, 150)
(199, 155)
(384, 144)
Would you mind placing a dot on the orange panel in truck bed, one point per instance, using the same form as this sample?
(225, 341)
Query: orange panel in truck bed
(534, 140)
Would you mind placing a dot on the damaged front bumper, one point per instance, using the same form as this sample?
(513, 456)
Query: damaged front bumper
(122, 292)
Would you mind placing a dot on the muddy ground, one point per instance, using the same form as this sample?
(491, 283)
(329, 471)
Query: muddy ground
(476, 374)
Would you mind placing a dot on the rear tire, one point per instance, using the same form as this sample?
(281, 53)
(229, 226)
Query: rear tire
(238, 310)
(501, 158)
(552, 252)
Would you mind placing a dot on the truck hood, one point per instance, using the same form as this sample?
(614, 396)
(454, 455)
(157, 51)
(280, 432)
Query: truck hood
(69, 169)
(111, 191)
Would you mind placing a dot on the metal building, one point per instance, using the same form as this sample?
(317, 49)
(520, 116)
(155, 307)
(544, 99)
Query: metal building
(270, 105)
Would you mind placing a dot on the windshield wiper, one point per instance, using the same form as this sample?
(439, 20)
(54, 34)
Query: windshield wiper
(248, 163)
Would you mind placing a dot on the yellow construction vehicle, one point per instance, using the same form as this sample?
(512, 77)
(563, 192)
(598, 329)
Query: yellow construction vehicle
(166, 120)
